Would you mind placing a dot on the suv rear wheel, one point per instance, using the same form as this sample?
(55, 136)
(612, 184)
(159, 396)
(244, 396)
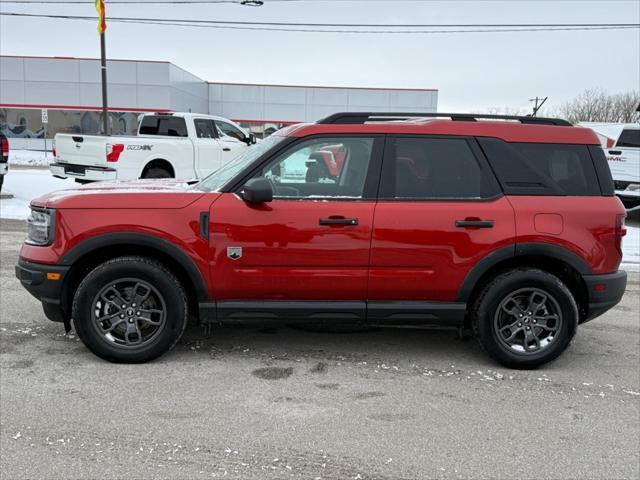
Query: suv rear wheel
(525, 318)
(130, 310)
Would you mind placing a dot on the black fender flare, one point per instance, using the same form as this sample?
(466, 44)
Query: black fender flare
(142, 240)
(548, 250)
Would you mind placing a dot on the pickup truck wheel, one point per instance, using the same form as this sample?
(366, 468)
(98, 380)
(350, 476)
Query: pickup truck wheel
(525, 318)
(130, 310)
(1, 181)
(156, 172)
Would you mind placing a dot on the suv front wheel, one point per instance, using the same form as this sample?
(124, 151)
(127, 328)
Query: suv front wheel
(525, 318)
(130, 310)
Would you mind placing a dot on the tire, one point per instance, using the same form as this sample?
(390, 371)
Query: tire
(130, 334)
(1, 181)
(519, 329)
(156, 172)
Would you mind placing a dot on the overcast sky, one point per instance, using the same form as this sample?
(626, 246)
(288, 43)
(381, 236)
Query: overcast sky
(472, 71)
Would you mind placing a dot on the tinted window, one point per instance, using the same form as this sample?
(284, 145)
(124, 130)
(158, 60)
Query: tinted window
(230, 130)
(434, 168)
(204, 128)
(542, 168)
(321, 168)
(167, 126)
(629, 138)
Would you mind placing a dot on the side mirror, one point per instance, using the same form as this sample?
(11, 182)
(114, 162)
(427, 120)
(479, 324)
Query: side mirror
(250, 139)
(257, 190)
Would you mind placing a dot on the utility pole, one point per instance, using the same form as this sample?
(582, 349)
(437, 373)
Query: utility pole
(102, 26)
(103, 68)
(537, 105)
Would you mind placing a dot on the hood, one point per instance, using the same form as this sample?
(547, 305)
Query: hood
(153, 194)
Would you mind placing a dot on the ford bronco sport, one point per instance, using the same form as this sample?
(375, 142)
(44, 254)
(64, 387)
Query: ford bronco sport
(505, 225)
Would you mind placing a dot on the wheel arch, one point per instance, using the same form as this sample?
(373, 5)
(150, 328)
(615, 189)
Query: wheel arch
(559, 261)
(158, 162)
(90, 253)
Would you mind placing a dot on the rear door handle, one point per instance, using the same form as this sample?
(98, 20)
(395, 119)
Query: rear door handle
(226, 149)
(468, 223)
(339, 221)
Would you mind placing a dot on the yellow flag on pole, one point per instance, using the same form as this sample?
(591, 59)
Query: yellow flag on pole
(102, 18)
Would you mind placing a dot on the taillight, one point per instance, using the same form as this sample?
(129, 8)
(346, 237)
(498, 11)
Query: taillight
(53, 149)
(4, 146)
(621, 231)
(113, 151)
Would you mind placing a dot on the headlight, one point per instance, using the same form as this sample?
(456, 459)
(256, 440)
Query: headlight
(40, 226)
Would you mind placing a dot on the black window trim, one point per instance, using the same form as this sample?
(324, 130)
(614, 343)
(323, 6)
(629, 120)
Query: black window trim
(476, 152)
(371, 182)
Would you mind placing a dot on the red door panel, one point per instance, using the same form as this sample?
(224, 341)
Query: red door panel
(418, 253)
(286, 253)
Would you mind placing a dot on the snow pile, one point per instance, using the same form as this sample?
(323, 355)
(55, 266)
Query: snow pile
(25, 185)
(33, 158)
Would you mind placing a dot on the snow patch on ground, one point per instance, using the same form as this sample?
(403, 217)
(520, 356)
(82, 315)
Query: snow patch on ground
(30, 157)
(25, 185)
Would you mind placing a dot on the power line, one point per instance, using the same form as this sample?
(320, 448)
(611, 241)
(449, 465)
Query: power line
(337, 25)
(310, 29)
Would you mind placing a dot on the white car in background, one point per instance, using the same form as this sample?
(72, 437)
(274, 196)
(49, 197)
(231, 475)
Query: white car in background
(184, 146)
(621, 145)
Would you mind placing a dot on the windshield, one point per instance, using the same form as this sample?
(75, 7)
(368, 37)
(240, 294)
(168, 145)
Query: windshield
(220, 177)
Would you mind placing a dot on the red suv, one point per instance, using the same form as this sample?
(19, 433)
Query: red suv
(505, 225)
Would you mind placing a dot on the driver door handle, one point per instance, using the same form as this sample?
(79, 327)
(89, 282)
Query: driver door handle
(226, 149)
(335, 220)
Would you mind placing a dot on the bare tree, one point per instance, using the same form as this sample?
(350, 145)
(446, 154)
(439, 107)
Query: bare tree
(595, 105)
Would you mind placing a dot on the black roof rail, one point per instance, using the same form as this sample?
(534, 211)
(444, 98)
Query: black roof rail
(354, 118)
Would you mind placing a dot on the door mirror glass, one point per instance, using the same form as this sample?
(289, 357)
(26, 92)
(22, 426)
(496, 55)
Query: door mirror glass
(257, 190)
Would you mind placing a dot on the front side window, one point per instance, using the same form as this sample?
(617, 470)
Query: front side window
(434, 168)
(230, 131)
(204, 128)
(324, 167)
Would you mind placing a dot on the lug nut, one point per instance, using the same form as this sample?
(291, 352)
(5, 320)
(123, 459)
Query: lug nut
(122, 315)
(138, 313)
(519, 324)
(528, 328)
(133, 304)
(535, 321)
(124, 306)
(131, 320)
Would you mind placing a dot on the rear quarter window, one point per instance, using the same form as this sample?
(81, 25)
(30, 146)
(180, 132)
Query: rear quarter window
(542, 168)
(629, 138)
(166, 126)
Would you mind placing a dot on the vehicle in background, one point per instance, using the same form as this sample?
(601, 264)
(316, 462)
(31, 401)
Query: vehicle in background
(168, 145)
(506, 226)
(4, 158)
(621, 144)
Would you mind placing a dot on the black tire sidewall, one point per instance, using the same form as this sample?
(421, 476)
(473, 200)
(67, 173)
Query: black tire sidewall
(156, 172)
(506, 284)
(146, 270)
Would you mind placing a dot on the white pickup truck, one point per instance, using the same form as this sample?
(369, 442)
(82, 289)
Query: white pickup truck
(168, 145)
(621, 145)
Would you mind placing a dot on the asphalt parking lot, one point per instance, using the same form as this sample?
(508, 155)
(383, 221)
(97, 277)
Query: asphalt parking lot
(284, 403)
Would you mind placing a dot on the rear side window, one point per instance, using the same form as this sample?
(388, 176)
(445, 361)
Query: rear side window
(434, 168)
(629, 138)
(542, 168)
(167, 126)
(204, 128)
